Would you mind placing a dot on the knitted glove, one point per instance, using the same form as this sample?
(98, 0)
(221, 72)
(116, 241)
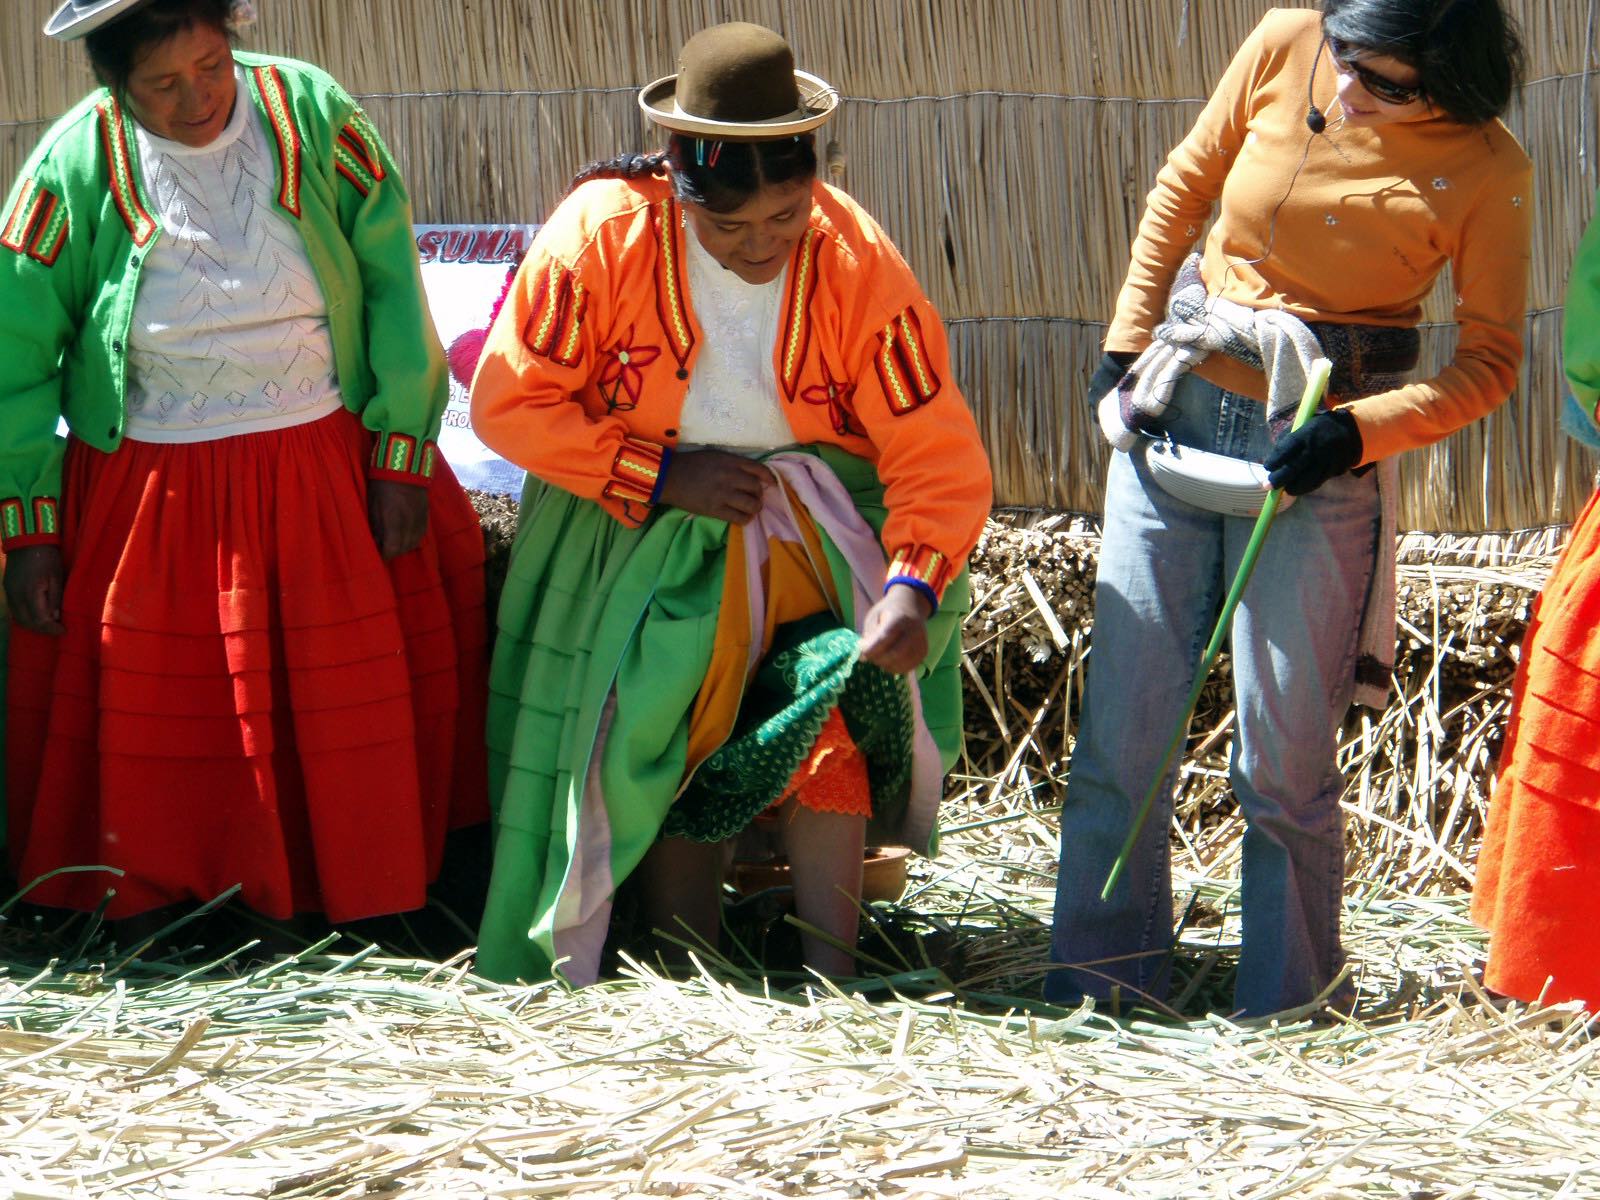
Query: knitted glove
(1113, 366)
(1304, 459)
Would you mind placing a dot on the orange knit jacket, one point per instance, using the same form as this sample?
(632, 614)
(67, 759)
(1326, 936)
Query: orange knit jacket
(1355, 233)
(584, 372)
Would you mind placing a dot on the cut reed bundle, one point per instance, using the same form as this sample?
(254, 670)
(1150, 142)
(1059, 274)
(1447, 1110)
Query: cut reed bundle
(1418, 772)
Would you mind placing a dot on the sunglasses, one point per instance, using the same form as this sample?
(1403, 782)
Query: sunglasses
(1387, 90)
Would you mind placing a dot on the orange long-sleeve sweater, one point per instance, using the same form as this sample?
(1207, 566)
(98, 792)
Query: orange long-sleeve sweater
(1356, 234)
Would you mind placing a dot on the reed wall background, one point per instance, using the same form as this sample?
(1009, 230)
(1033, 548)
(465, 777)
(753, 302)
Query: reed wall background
(1007, 147)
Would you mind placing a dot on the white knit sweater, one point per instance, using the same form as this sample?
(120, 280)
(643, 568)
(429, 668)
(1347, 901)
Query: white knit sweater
(230, 330)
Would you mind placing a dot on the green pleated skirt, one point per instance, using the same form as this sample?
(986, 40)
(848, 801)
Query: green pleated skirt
(605, 634)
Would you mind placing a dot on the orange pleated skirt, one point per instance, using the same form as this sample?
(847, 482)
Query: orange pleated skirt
(1538, 885)
(246, 693)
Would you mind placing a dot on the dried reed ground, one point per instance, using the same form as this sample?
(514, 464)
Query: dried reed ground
(342, 1075)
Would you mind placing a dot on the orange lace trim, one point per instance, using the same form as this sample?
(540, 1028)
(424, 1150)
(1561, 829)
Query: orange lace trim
(833, 776)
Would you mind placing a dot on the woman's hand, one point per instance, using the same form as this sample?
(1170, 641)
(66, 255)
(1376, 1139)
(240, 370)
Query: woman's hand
(895, 633)
(714, 483)
(1108, 373)
(35, 578)
(1306, 458)
(398, 514)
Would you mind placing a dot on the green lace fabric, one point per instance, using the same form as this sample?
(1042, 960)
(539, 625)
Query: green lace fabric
(813, 668)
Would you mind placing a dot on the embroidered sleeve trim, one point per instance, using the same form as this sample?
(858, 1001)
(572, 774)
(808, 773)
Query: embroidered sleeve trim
(291, 150)
(354, 157)
(18, 530)
(636, 471)
(796, 326)
(556, 320)
(119, 166)
(24, 217)
(398, 456)
(37, 225)
(669, 284)
(51, 238)
(908, 379)
(922, 567)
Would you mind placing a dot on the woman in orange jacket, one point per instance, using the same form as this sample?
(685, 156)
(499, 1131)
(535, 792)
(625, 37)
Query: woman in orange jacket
(753, 487)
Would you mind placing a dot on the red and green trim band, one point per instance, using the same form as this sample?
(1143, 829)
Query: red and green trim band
(32, 202)
(636, 472)
(908, 380)
(669, 285)
(37, 225)
(353, 155)
(11, 523)
(291, 149)
(796, 328)
(400, 457)
(15, 529)
(119, 166)
(556, 321)
(51, 238)
(923, 568)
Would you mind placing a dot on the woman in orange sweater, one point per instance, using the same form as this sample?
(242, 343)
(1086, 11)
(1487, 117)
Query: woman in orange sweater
(1352, 154)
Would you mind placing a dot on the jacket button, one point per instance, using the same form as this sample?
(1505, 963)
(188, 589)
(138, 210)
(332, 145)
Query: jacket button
(116, 347)
(669, 433)
(682, 374)
(112, 432)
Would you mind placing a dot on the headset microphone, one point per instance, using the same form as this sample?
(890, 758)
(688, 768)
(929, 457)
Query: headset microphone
(1315, 121)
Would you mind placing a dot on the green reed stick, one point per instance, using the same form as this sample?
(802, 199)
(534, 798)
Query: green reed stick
(1316, 385)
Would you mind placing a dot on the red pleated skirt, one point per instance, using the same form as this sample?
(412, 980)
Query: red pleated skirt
(1538, 884)
(246, 693)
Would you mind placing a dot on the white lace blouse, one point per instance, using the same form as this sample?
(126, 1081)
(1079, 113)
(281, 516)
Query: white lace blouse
(733, 401)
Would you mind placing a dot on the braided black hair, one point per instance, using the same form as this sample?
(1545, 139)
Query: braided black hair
(718, 176)
(623, 166)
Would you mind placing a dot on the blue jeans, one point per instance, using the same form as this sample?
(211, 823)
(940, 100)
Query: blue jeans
(1165, 567)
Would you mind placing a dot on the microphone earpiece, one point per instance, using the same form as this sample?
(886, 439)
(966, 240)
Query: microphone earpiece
(1315, 121)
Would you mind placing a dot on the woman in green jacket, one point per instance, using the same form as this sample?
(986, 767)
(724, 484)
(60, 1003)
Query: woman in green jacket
(245, 589)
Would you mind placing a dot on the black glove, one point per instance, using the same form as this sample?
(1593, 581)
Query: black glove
(1304, 459)
(1113, 366)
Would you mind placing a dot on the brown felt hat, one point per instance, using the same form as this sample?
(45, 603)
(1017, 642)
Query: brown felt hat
(737, 82)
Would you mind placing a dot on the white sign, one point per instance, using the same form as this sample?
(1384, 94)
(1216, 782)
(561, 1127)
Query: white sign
(465, 270)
